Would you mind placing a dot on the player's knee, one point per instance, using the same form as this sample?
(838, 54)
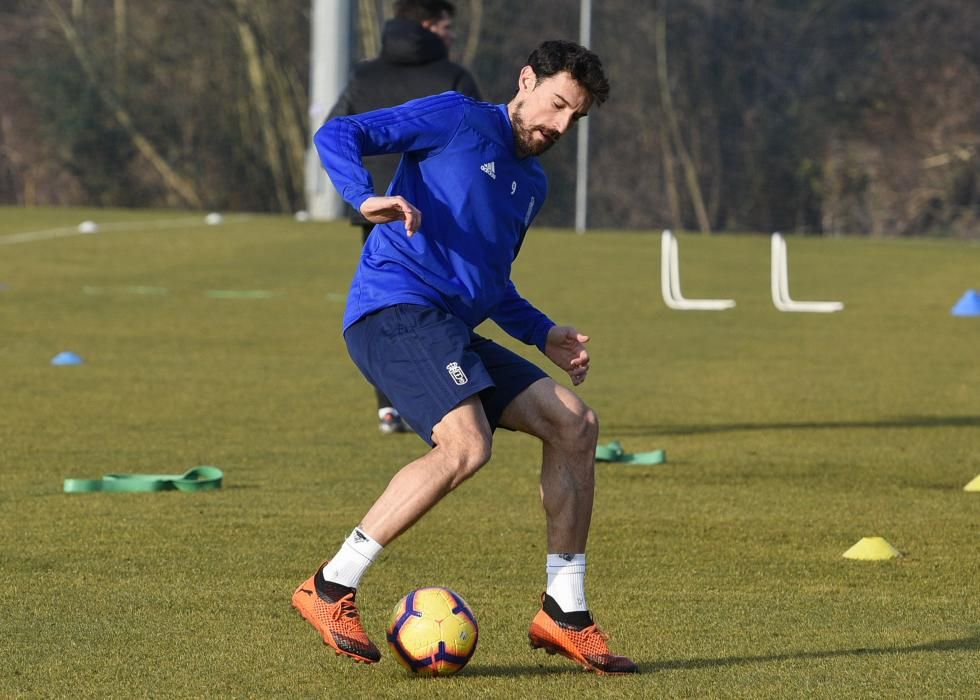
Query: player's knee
(465, 457)
(579, 429)
(477, 453)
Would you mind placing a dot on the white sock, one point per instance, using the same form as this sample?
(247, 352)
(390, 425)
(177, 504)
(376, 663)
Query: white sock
(357, 553)
(566, 581)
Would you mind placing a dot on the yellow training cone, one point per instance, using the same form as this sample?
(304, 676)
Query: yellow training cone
(872, 549)
(973, 485)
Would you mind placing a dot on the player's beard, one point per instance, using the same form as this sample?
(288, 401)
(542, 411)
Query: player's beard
(524, 142)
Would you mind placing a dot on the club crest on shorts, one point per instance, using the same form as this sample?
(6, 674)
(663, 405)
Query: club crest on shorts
(457, 373)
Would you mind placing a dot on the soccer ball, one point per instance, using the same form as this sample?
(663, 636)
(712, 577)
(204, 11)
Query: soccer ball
(432, 632)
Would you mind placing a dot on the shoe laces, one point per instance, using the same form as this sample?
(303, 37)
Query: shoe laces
(344, 608)
(594, 640)
(597, 631)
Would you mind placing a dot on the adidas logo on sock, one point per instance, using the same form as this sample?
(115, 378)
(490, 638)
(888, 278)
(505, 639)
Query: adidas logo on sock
(489, 169)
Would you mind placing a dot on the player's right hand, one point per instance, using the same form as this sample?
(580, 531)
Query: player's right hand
(565, 347)
(381, 210)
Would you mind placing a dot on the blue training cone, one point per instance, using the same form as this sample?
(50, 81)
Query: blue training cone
(66, 358)
(968, 305)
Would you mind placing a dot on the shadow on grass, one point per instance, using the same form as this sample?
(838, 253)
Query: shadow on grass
(515, 671)
(971, 643)
(899, 422)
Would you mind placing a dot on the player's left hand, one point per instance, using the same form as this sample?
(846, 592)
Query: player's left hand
(381, 210)
(566, 348)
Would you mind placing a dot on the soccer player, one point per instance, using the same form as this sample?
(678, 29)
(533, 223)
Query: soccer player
(438, 264)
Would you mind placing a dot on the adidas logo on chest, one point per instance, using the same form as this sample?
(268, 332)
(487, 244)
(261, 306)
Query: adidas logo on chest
(489, 169)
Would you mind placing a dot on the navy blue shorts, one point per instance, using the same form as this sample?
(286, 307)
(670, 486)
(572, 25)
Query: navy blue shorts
(428, 362)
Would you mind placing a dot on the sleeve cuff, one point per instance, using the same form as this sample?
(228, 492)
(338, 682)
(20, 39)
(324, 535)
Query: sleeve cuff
(358, 199)
(541, 336)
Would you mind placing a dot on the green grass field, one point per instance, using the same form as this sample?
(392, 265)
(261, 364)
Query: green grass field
(789, 437)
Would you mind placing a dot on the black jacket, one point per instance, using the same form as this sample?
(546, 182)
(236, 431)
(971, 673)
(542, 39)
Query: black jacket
(413, 63)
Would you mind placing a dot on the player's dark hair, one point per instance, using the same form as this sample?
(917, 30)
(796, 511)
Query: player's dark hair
(424, 10)
(560, 56)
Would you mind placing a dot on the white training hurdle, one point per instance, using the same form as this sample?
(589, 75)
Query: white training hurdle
(780, 284)
(670, 281)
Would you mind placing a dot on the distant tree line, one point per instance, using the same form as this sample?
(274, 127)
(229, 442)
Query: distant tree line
(817, 116)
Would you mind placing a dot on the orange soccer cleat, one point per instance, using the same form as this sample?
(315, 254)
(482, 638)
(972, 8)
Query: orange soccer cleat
(335, 617)
(586, 646)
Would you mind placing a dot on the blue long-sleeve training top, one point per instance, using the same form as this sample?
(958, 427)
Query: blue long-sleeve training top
(477, 200)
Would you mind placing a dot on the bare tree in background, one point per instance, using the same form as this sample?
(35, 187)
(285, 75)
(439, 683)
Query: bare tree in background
(369, 27)
(174, 181)
(473, 32)
(119, 24)
(675, 141)
(263, 102)
(818, 116)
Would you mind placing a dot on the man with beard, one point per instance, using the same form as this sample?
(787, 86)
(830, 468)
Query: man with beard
(414, 62)
(437, 265)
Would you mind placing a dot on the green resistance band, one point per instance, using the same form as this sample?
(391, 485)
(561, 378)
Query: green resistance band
(613, 452)
(202, 478)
